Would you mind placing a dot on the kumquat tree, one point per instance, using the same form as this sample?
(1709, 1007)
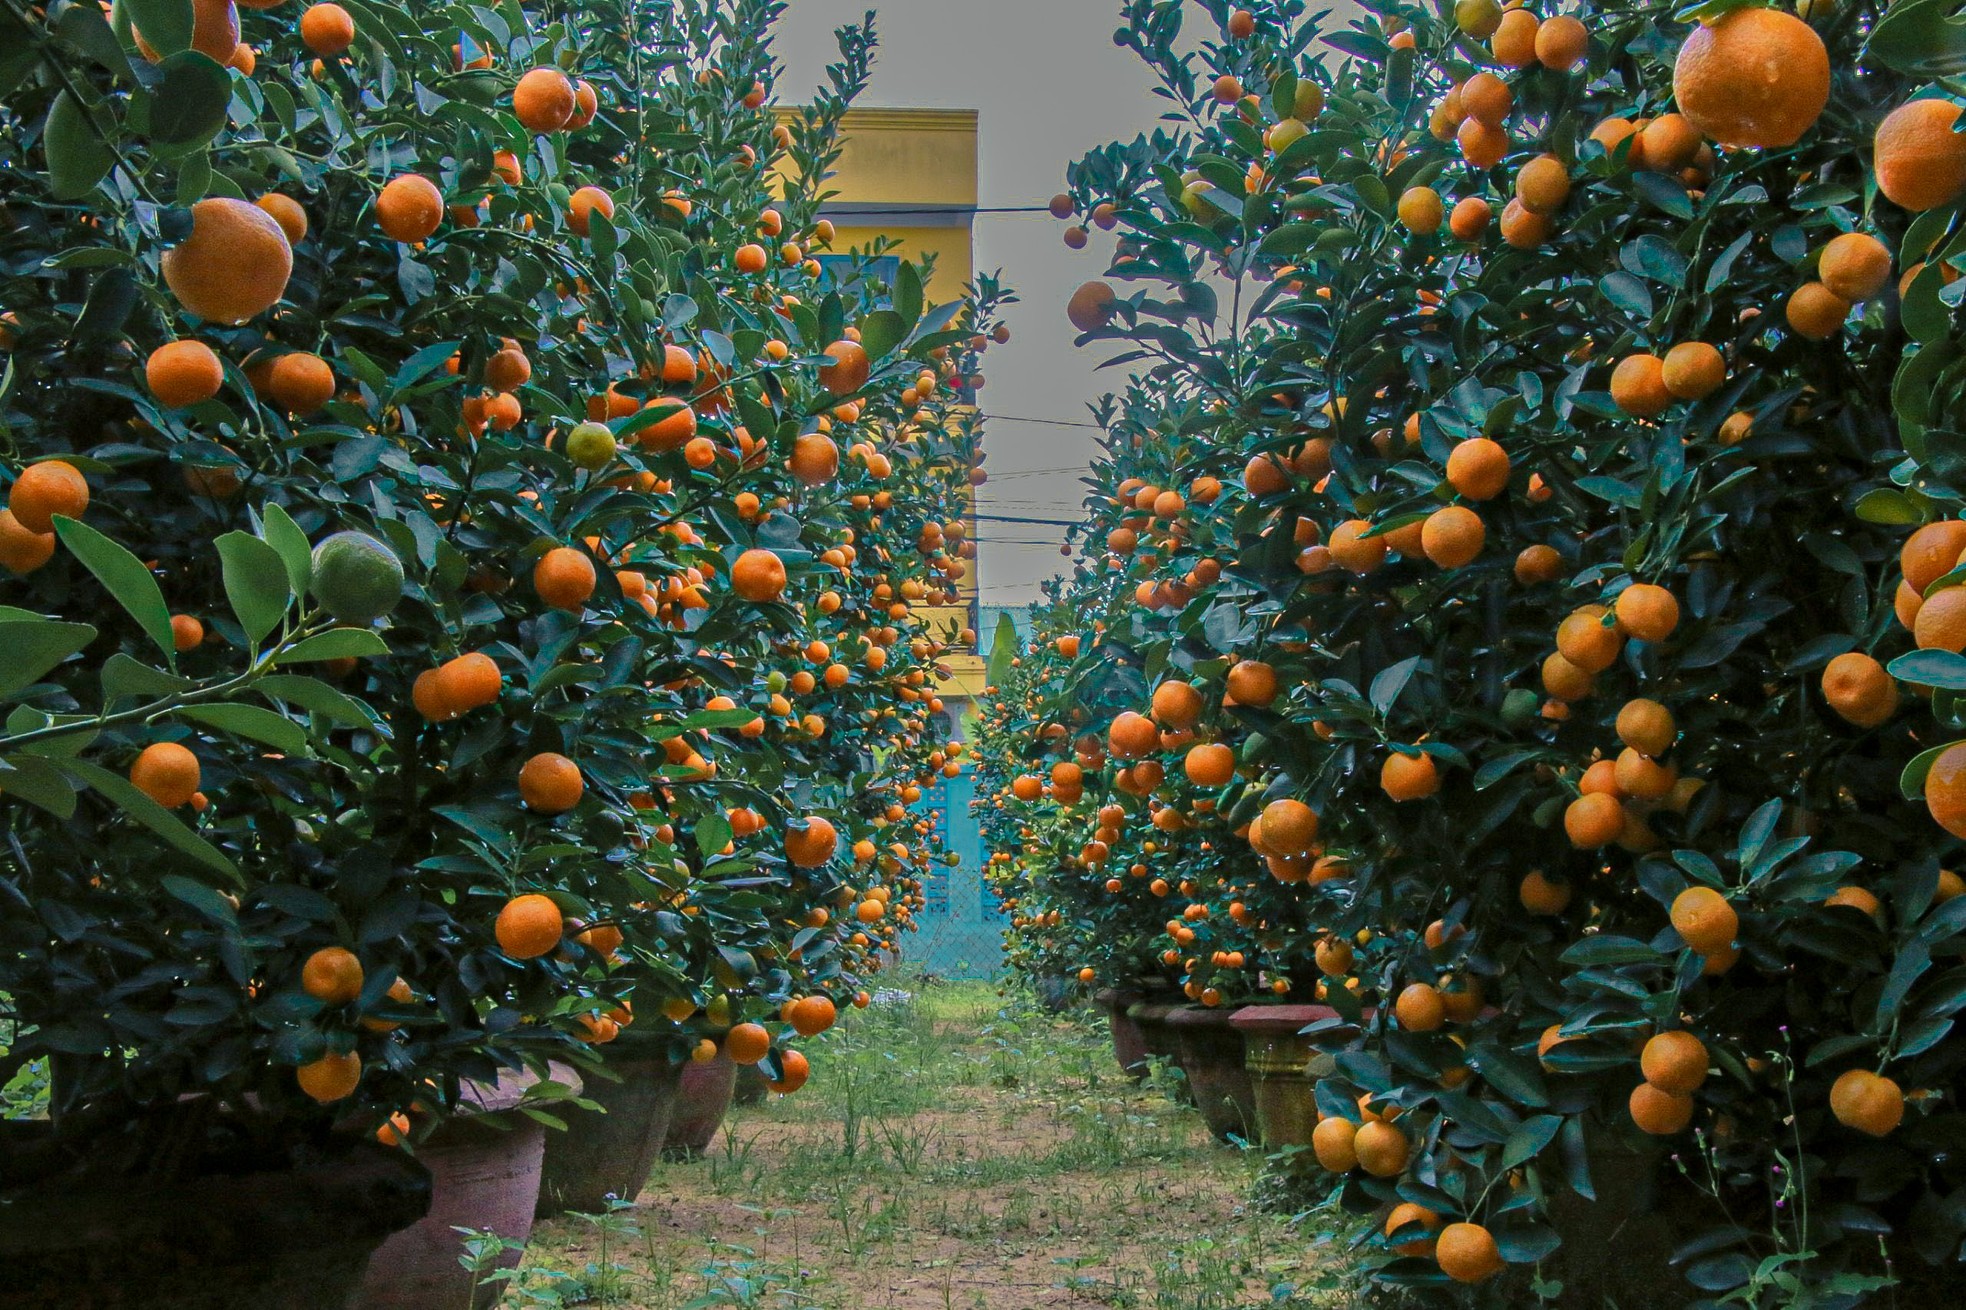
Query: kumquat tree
(1518, 611)
(463, 564)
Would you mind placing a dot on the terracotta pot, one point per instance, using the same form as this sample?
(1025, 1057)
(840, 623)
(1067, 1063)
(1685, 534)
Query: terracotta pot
(1129, 1043)
(297, 1237)
(1210, 1053)
(702, 1100)
(1283, 1069)
(485, 1165)
(609, 1152)
(751, 1085)
(1150, 1017)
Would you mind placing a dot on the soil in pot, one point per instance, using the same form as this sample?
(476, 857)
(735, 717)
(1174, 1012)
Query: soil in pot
(609, 1152)
(296, 1238)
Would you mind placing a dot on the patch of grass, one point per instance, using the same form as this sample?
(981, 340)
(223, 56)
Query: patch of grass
(958, 1148)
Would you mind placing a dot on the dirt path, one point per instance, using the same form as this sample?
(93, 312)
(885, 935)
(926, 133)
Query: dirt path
(949, 1154)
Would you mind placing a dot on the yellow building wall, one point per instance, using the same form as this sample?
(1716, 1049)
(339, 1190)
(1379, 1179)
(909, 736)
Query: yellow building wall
(922, 160)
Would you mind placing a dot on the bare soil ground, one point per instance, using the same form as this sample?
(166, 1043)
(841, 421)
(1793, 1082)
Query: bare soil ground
(952, 1152)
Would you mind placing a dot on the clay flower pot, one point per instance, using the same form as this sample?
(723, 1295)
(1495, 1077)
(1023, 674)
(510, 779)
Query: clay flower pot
(296, 1238)
(1129, 1043)
(1283, 1069)
(1157, 1039)
(609, 1152)
(752, 1086)
(484, 1163)
(1209, 1051)
(702, 1100)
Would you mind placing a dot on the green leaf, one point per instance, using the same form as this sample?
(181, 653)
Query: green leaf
(34, 646)
(276, 730)
(712, 833)
(1911, 783)
(154, 817)
(189, 104)
(125, 578)
(77, 157)
(334, 644)
(123, 675)
(256, 583)
(280, 531)
(318, 697)
(1920, 38)
(1003, 649)
(1884, 505)
(200, 898)
(1508, 1073)
(38, 782)
(1930, 668)
(881, 331)
(166, 24)
(908, 293)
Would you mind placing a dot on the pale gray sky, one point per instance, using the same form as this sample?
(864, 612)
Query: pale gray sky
(1049, 85)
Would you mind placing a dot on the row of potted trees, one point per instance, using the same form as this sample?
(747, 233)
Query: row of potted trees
(465, 558)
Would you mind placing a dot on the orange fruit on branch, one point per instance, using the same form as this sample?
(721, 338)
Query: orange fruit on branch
(235, 263)
(529, 926)
(550, 783)
(1752, 77)
(183, 373)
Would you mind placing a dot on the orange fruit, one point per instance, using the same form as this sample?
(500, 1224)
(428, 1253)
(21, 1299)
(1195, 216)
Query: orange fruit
(815, 459)
(1659, 1112)
(332, 975)
(327, 29)
(1705, 920)
(1487, 99)
(1561, 42)
(584, 204)
(1514, 40)
(508, 369)
(747, 1043)
(1859, 689)
(795, 1070)
(1541, 896)
(1593, 820)
(1421, 211)
(333, 1077)
(1408, 1215)
(1945, 789)
(1919, 158)
(812, 1015)
(1538, 564)
(1419, 1008)
(758, 576)
(1254, 683)
(1646, 726)
(529, 926)
(1353, 550)
(1478, 468)
(1564, 680)
(1674, 1062)
(409, 208)
(1333, 1141)
(1289, 827)
(550, 783)
(22, 551)
(1382, 1149)
(1453, 536)
(1692, 370)
(1210, 764)
(564, 578)
(1646, 611)
(214, 32)
(1467, 1252)
(301, 383)
(182, 373)
(543, 100)
(187, 633)
(1091, 307)
(1854, 266)
(1931, 552)
(1585, 640)
(1815, 312)
(1409, 777)
(1132, 736)
(286, 211)
(1752, 78)
(813, 845)
(234, 265)
(1177, 704)
(847, 370)
(1941, 620)
(1482, 144)
(1638, 385)
(1866, 1101)
(1542, 184)
(1469, 218)
(469, 681)
(167, 773)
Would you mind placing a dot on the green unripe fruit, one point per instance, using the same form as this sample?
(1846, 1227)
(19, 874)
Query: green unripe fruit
(775, 682)
(1477, 18)
(1309, 100)
(590, 446)
(1520, 707)
(356, 578)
